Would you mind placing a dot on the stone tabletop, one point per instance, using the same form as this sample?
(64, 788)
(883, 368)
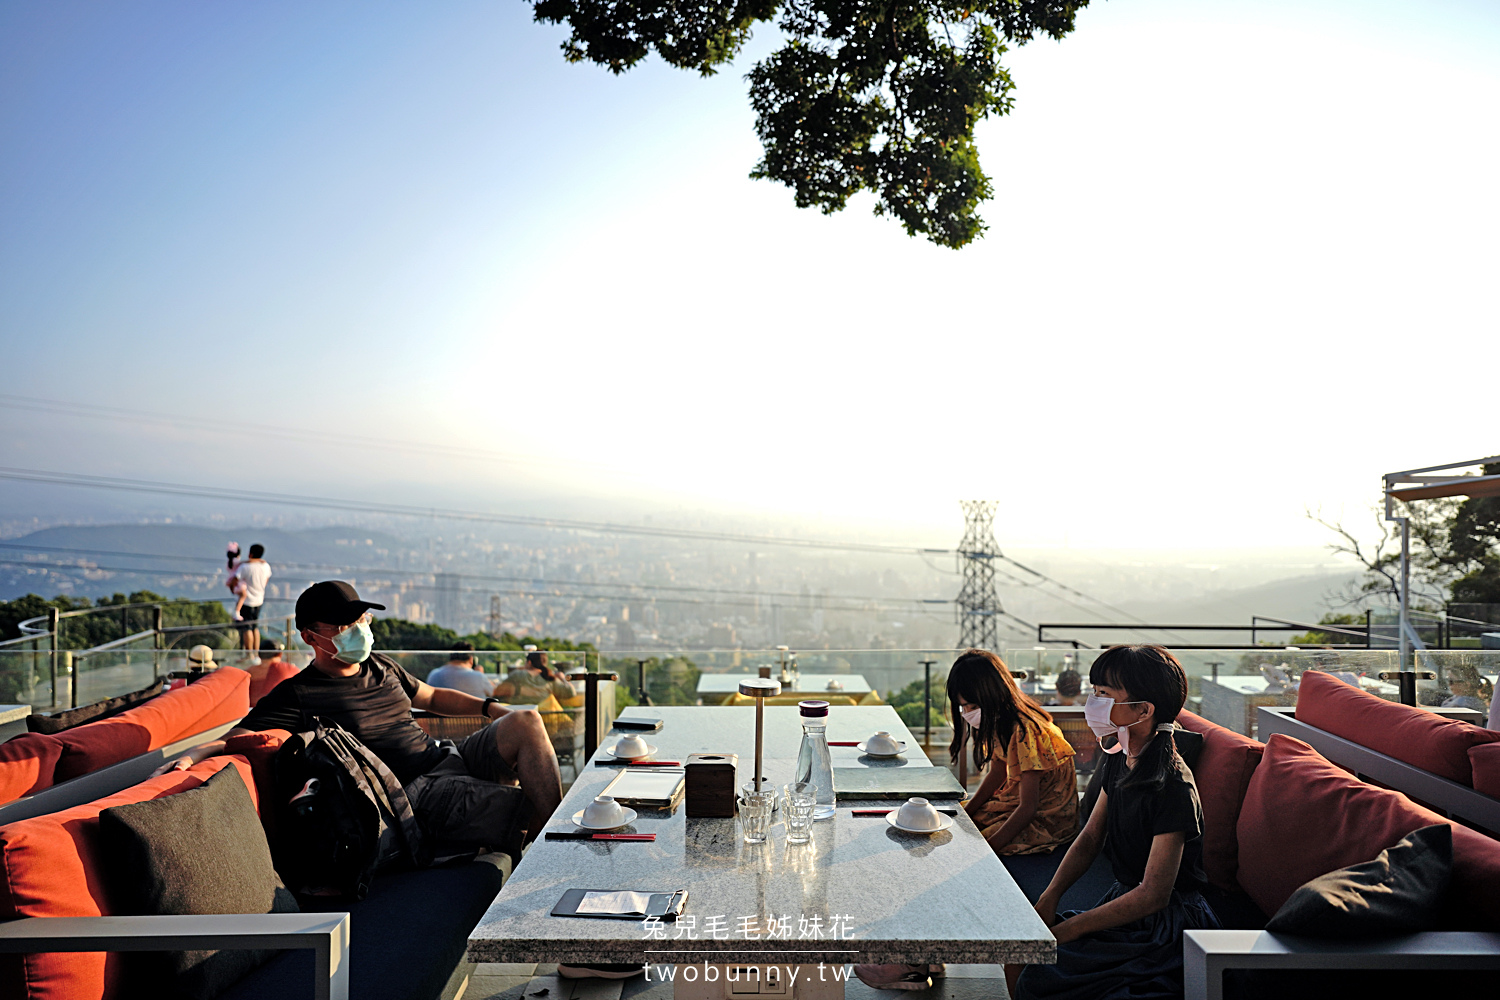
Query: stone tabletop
(808, 684)
(14, 713)
(861, 891)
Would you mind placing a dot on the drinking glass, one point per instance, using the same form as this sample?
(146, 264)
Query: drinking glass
(755, 814)
(797, 803)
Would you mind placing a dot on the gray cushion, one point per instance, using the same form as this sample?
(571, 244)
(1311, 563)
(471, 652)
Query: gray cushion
(1399, 892)
(199, 851)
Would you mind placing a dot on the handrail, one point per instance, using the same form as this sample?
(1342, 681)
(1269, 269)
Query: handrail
(114, 643)
(28, 627)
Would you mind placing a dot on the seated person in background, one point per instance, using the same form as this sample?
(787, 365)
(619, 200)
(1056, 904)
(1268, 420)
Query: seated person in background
(1468, 689)
(1069, 684)
(1149, 824)
(460, 673)
(532, 682)
(270, 671)
(372, 697)
(1027, 802)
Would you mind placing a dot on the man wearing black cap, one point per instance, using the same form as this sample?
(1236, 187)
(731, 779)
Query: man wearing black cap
(372, 697)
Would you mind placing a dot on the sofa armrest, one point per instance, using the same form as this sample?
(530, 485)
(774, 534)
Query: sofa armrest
(1207, 954)
(327, 934)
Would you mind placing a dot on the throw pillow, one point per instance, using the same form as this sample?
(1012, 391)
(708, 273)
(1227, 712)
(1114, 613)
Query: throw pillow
(110, 707)
(199, 851)
(1399, 892)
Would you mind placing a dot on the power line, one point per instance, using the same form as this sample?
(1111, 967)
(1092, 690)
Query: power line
(389, 571)
(439, 513)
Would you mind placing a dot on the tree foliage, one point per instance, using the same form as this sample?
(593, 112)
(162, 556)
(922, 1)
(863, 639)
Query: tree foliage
(1455, 552)
(86, 631)
(874, 95)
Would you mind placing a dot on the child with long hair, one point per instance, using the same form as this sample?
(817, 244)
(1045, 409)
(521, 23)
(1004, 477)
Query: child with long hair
(1149, 824)
(1027, 801)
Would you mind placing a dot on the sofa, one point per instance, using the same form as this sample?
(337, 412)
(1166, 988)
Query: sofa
(1277, 815)
(34, 762)
(64, 936)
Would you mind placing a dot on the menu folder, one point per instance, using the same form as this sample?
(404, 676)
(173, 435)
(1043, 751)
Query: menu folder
(862, 783)
(621, 904)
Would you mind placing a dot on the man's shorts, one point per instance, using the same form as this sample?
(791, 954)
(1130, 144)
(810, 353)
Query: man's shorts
(469, 802)
(251, 613)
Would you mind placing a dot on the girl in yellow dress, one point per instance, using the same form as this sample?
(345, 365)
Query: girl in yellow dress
(1027, 802)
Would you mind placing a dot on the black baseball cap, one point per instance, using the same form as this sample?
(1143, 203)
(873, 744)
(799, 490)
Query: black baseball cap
(332, 602)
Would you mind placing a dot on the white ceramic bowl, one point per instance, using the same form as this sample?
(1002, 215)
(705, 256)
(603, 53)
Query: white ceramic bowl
(882, 743)
(631, 746)
(835, 685)
(919, 814)
(604, 811)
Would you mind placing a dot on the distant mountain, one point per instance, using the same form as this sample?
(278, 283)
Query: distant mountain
(176, 560)
(1297, 598)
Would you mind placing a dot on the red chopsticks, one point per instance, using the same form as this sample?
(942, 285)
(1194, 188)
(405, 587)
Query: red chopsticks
(882, 812)
(560, 835)
(842, 743)
(638, 763)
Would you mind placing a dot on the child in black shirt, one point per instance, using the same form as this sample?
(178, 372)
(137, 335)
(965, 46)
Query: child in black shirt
(1149, 824)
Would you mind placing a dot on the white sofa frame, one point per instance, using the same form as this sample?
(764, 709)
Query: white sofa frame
(1207, 955)
(327, 934)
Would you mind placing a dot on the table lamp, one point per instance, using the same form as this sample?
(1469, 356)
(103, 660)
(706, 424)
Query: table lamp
(759, 688)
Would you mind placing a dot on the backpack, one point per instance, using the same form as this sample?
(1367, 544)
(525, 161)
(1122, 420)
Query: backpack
(341, 815)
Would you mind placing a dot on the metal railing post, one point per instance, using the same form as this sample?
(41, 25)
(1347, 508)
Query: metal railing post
(927, 703)
(158, 620)
(70, 663)
(591, 681)
(54, 623)
(641, 684)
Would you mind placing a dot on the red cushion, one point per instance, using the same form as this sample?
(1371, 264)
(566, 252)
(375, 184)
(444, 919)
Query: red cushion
(49, 867)
(1485, 760)
(259, 749)
(26, 764)
(222, 696)
(1223, 774)
(1304, 817)
(1420, 738)
(261, 682)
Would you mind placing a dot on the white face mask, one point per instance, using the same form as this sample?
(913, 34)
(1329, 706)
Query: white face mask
(1096, 712)
(971, 716)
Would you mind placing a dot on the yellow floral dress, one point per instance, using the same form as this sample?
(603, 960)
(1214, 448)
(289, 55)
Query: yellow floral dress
(1035, 748)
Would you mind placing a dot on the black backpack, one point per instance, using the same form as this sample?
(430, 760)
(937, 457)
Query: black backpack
(341, 815)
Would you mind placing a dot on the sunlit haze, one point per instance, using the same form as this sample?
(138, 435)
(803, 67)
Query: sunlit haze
(1240, 261)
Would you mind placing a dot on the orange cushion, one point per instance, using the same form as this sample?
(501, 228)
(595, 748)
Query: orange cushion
(49, 867)
(1485, 761)
(274, 674)
(26, 764)
(1223, 774)
(222, 696)
(259, 749)
(1304, 817)
(1420, 738)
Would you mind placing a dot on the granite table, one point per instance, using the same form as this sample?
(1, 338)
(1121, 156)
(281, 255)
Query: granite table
(861, 891)
(810, 685)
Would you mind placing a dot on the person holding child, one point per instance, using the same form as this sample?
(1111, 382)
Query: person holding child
(1148, 821)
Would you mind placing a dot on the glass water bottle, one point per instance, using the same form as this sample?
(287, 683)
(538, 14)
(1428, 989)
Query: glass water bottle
(814, 764)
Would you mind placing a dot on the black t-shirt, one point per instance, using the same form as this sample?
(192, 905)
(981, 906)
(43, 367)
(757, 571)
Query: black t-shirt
(374, 705)
(1137, 815)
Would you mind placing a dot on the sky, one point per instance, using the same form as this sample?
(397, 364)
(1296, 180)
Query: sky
(1239, 263)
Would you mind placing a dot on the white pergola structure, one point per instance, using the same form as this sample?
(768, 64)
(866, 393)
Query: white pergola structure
(1430, 483)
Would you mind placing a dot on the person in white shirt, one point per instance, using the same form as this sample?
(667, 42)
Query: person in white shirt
(254, 573)
(461, 674)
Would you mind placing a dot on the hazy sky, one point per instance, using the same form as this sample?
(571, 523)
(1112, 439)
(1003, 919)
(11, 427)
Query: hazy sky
(1242, 260)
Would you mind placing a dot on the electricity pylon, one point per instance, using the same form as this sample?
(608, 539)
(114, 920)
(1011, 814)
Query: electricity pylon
(977, 605)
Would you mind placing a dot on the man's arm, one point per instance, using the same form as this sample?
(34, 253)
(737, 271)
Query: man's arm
(447, 701)
(201, 752)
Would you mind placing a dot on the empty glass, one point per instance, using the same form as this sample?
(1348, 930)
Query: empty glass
(798, 800)
(755, 813)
